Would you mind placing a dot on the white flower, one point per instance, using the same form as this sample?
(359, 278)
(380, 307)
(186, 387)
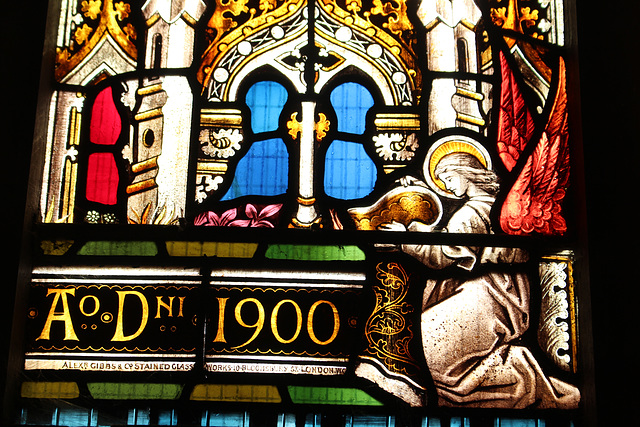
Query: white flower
(221, 144)
(127, 153)
(109, 218)
(395, 146)
(206, 184)
(92, 217)
(128, 97)
(72, 153)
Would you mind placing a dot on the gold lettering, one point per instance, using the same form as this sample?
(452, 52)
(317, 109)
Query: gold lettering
(161, 304)
(96, 305)
(119, 334)
(181, 299)
(222, 303)
(274, 321)
(258, 325)
(64, 316)
(336, 323)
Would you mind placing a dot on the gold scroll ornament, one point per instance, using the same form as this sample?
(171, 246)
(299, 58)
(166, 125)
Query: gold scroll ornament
(389, 328)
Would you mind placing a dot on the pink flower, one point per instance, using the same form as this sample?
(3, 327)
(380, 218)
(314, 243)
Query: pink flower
(257, 219)
(212, 219)
(264, 218)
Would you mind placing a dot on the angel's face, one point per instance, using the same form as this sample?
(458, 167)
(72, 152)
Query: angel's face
(454, 183)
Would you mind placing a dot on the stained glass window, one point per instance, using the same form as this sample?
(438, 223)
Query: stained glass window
(346, 212)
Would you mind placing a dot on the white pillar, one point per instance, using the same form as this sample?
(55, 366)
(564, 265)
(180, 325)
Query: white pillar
(307, 214)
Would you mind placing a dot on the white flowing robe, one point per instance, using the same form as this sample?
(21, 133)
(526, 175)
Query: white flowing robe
(470, 326)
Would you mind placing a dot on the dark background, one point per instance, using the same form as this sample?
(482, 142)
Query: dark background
(608, 53)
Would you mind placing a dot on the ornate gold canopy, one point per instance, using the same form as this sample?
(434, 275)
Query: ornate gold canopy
(100, 22)
(243, 25)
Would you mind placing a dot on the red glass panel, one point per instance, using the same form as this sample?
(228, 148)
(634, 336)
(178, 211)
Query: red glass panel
(105, 121)
(102, 179)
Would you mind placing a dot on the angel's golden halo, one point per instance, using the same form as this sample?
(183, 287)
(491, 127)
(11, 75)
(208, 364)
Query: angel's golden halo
(456, 145)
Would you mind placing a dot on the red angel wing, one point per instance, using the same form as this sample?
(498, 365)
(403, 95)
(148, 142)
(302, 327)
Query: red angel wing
(534, 204)
(515, 124)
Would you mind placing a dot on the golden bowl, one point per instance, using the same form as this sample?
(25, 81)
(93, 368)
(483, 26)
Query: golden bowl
(402, 204)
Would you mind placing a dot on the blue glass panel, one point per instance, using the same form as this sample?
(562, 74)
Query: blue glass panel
(73, 417)
(351, 101)
(167, 418)
(313, 420)
(510, 422)
(372, 421)
(263, 171)
(434, 422)
(266, 100)
(286, 420)
(238, 419)
(349, 172)
(139, 417)
(453, 422)
(459, 422)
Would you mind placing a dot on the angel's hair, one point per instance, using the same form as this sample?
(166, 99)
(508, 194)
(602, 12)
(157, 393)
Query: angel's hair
(468, 166)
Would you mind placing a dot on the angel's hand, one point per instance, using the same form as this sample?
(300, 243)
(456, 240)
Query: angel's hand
(420, 226)
(392, 226)
(409, 180)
